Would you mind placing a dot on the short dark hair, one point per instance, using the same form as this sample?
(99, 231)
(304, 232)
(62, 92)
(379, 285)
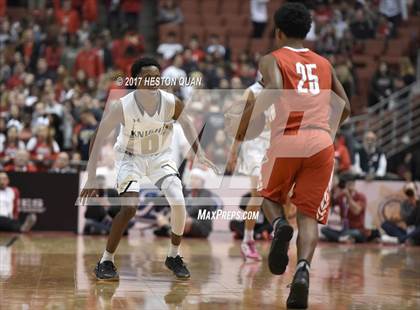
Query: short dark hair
(143, 62)
(293, 19)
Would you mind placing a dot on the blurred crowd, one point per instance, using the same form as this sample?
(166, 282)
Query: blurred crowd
(59, 63)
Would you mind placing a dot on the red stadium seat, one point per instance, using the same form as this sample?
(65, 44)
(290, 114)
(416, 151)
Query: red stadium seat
(210, 7)
(213, 20)
(397, 47)
(374, 47)
(219, 30)
(261, 46)
(230, 7)
(165, 29)
(239, 43)
(193, 20)
(188, 32)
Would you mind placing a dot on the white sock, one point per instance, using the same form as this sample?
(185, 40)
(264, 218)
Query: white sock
(107, 256)
(303, 264)
(248, 235)
(173, 250)
(275, 223)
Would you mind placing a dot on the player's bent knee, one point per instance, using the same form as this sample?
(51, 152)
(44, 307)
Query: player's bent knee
(172, 188)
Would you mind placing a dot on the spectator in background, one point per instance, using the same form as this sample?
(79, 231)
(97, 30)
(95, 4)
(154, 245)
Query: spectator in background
(99, 216)
(395, 11)
(342, 155)
(361, 26)
(43, 148)
(131, 10)
(197, 52)
(369, 160)
(170, 47)
(406, 71)
(396, 227)
(327, 42)
(259, 17)
(215, 47)
(217, 150)
(352, 208)
(382, 84)
(9, 208)
(175, 73)
(83, 132)
(67, 17)
(62, 164)
(21, 163)
(196, 198)
(343, 69)
(170, 12)
(89, 61)
(11, 145)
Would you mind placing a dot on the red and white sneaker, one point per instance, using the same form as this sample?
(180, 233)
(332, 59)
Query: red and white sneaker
(249, 251)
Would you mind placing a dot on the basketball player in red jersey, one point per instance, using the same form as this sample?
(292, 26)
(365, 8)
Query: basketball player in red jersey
(301, 149)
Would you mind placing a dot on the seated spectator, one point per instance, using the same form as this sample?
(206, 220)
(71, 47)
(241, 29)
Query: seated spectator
(170, 12)
(382, 84)
(352, 208)
(369, 160)
(175, 72)
(197, 52)
(21, 163)
(89, 61)
(406, 71)
(218, 149)
(262, 230)
(361, 26)
(197, 199)
(342, 155)
(170, 47)
(10, 145)
(83, 133)
(9, 208)
(62, 164)
(215, 47)
(99, 217)
(43, 148)
(396, 228)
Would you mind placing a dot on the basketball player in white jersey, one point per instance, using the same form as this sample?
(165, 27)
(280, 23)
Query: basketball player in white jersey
(251, 155)
(145, 117)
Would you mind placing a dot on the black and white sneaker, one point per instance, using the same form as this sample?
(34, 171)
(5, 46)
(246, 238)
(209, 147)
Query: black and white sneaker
(106, 271)
(177, 266)
(277, 257)
(299, 290)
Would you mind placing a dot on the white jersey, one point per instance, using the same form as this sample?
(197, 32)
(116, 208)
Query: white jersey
(144, 134)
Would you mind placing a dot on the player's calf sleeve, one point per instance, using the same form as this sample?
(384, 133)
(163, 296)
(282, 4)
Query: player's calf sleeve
(172, 189)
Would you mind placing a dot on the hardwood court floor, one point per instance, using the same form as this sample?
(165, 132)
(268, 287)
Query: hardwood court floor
(54, 271)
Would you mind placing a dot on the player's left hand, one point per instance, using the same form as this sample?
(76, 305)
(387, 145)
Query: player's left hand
(86, 194)
(207, 162)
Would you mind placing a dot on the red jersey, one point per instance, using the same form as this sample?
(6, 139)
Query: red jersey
(305, 101)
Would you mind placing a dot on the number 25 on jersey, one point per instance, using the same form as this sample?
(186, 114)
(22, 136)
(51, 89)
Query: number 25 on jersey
(312, 85)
